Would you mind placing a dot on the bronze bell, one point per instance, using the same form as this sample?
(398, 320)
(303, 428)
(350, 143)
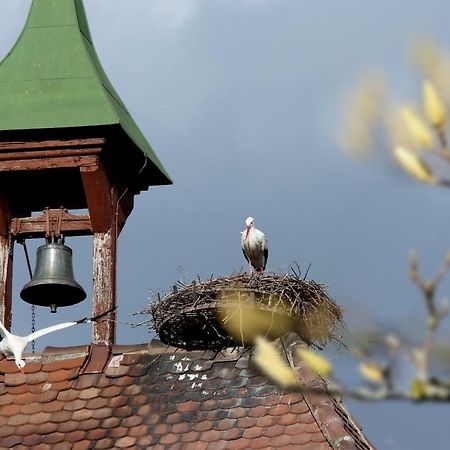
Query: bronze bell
(53, 282)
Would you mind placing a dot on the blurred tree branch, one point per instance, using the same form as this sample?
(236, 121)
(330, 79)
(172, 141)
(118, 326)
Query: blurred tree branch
(435, 314)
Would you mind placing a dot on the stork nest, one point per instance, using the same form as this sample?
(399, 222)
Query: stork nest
(232, 311)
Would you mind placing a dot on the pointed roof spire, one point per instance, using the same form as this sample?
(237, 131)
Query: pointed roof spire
(52, 78)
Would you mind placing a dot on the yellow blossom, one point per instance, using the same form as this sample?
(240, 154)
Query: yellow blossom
(315, 362)
(272, 364)
(434, 107)
(371, 371)
(418, 129)
(413, 165)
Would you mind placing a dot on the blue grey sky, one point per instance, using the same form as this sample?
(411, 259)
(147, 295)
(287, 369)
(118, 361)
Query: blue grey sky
(241, 100)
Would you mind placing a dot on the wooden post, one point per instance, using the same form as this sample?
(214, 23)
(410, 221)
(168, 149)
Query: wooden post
(6, 264)
(104, 284)
(101, 198)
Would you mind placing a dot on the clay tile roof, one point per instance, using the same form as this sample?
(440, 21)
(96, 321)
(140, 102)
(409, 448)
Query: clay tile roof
(154, 396)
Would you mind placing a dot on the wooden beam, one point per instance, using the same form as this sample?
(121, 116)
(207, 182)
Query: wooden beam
(10, 156)
(58, 143)
(48, 163)
(99, 192)
(36, 227)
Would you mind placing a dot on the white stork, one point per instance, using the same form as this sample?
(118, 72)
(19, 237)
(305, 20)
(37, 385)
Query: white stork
(12, 345)
(254, 246)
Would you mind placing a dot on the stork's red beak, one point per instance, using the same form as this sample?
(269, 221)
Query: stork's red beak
(247, 231)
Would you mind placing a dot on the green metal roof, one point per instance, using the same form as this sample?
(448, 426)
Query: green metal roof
(52, 78)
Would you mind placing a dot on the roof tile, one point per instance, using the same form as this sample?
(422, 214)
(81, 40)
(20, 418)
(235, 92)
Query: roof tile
(132, 421)
(252, 433)
(15, 379)
(54, 406)
(203, 425)
(82, 445)
(31, 408)
(191, 436)
(210, 436)
(301, 438)
(102, 413)
(67, 426)
(89, 424)
(125, 442)
(225, 424)
(68, 395)
(61, 416)
(247, 422)
(47, 427)
(266, 421)
(62, 375)
(18, 390)
(11, 410)
(118, 432)
(11, 441)
(32, 367)
(54, 438)
(141, 430)
(36, 377)
(18, 420)
(110, 422)
(168, 439)
(74, 405)
(40, 418)
(47, 395)
(75, 436)
(234, 433)
(32, 440)
(239, 444)
(262, 442)
(82, 414)
(143, 410)
(288, 419)
(124, 411)
(6, 430)
(8, 366)
(86, 381)
(274, 431)
(238, 412)
(95, 433)
(106, 443)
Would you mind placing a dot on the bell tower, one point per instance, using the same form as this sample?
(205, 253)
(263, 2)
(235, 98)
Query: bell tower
(71, 156)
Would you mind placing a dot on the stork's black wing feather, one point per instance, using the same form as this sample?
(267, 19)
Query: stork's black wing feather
(266, 255)
(243, 251)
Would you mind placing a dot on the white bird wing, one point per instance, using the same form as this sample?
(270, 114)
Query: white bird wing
(39, 333)
(262, 240)
(3, 331)
(242, 238)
